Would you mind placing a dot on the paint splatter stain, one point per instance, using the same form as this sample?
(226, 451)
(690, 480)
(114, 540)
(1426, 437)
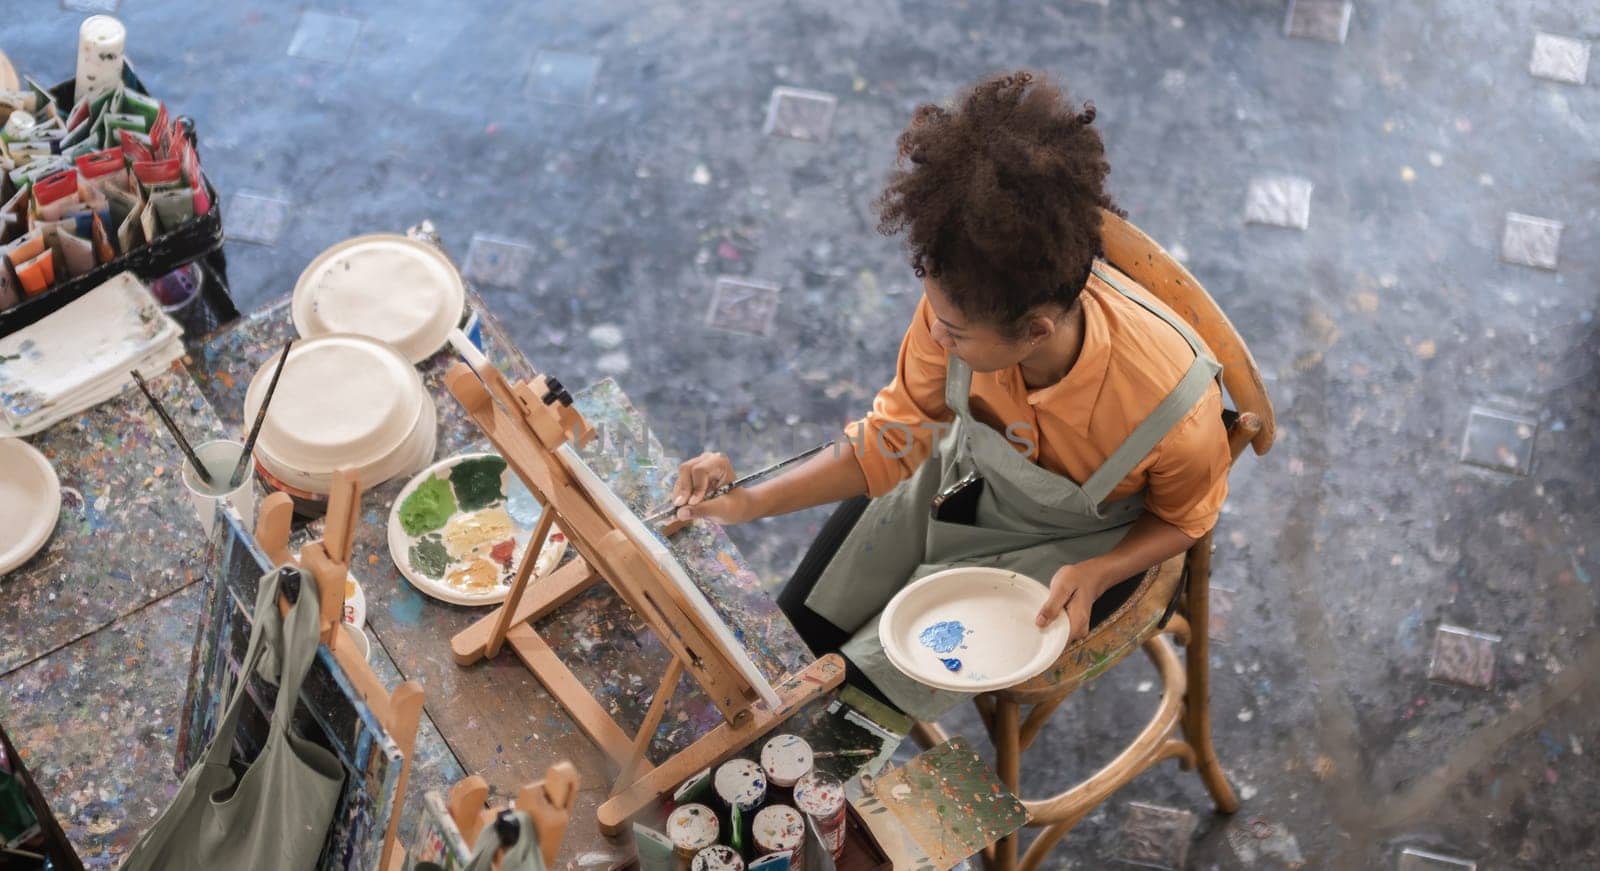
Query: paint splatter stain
(477, 482)
(429, 557)
(951, 663)
(943, 637)
(504, 552)
(475, 577)
(428, 507)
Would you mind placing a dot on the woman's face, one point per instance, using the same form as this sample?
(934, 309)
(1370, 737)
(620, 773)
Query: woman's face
(980, 345)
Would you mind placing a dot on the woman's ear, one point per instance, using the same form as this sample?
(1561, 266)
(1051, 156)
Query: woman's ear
(1038, 329)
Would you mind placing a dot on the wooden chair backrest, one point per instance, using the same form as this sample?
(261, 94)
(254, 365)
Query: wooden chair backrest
(1140, 258)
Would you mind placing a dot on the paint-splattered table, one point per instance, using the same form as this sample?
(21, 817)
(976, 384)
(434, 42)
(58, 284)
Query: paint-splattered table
(95, 642)
(495, 716)
(96, 634)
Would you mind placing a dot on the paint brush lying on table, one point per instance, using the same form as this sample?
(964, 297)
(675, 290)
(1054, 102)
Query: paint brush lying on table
(757, 475)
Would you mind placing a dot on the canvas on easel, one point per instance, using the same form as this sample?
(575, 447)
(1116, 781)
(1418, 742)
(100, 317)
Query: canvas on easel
(533, 426)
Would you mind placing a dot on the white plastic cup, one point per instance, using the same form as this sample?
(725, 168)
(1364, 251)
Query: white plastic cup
(220, 457)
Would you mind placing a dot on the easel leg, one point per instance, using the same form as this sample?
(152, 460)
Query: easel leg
(719, 744)
(509, 606)
(472, 643)
(652, 719)
(405, 713)
(589, 715)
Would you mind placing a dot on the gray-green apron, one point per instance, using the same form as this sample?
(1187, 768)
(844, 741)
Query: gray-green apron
(1029, 520)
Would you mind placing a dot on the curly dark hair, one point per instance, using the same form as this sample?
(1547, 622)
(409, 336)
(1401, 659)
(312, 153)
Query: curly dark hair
(1000, 201)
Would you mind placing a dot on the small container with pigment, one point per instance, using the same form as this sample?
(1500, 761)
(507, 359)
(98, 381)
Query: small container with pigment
(786, 759)
(780, 829)
(821, 798)
(691, 828)
(718, 858)
(741, 783)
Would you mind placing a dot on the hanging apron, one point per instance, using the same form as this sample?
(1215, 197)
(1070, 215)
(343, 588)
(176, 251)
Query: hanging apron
(1029, 520)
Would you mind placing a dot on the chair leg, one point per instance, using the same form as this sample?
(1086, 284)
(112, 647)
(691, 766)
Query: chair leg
(1197, 662)
(1008, 761)
(1048, 837)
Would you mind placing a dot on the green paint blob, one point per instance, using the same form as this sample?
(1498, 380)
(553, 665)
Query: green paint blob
(428, 507)
(477, 482)
(429, 557)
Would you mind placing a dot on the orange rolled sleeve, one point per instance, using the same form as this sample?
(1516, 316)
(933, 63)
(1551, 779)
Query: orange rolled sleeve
(896, 436)
(1189, 479)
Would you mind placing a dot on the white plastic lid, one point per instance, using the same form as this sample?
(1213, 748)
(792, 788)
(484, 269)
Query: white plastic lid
(394, 289)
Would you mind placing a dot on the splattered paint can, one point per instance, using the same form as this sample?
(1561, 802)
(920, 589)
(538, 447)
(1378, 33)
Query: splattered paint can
(691, 828)
(786, 759)
(718, 858)
(821, 798)
(741, 783)
(780, 829)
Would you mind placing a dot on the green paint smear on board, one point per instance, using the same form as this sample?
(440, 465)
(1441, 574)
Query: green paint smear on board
(429, 557)
(477, 482)
(428, 507)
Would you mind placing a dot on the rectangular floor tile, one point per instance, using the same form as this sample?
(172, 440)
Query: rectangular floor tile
(1279, 201)
(1413, 859)
(1559, 58)
(496, 262)
(1531, 241)
(255, 218)
(1156, 837)
(1498, 440)
(563, 77)
(798, 114)
(324, 38)
(743, 306)
(1463, 656)
(1324, 20)
(92, 7)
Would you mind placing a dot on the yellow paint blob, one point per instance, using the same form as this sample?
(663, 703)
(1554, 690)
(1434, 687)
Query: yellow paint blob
(474, 577)
(468, 534)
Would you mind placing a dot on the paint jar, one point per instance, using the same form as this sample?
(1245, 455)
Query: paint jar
(741, 783)
(691, 828)
(781, 830)
(821, 798)
(220, 457)
(718, 858)
(786, 759)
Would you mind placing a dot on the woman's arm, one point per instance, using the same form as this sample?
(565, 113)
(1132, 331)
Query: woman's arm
(1151, 541)
(830, 476)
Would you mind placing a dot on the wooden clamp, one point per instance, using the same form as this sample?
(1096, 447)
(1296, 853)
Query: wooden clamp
(328, 561)
(548, 803)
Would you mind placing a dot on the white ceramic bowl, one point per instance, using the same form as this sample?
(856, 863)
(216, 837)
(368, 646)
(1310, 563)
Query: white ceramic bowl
(971, 630)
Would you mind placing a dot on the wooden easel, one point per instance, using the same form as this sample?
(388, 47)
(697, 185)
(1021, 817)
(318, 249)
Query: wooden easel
(548, 802)
(328, 560)
(528, 423)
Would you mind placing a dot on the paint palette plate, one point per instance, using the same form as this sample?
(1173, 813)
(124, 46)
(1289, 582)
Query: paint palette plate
(458, 530)
(970, 630)
(30, 501)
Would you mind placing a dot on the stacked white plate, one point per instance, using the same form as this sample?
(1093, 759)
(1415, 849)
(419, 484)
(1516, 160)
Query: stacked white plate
(395, 289)
(343, 401)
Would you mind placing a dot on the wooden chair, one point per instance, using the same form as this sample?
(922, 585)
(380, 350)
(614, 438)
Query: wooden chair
(1181, 726)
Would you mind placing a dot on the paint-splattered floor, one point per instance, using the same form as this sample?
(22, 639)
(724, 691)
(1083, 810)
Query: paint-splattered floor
(606, 174)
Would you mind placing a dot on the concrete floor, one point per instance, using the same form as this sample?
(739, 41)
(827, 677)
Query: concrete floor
(597, 167)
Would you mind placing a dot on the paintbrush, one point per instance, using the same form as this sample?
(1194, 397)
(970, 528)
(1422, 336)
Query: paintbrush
(844, 754)
(172, 427)
(261, 417)
(753, 476)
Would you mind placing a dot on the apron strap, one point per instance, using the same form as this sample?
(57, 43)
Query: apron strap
(1159, 422)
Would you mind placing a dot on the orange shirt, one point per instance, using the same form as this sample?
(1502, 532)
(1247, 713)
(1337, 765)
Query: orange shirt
(1130, 361)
